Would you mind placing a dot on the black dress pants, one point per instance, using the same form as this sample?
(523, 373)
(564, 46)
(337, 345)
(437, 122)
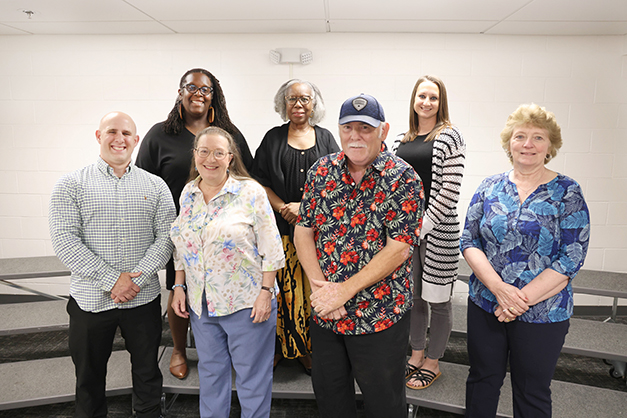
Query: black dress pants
(376, 361)
(91, 342)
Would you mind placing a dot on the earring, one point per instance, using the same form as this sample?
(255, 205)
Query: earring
(180, 110)
(196, 169)
(211, 115)
(311, 114)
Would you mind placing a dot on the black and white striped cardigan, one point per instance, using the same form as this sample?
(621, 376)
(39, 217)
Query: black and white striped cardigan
(440, 220)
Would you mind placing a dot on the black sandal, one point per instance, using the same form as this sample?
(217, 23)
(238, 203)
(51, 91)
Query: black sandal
(410, 369)
(426, 377)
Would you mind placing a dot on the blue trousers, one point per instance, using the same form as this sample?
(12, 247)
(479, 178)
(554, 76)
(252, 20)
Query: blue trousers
(532, 351)
(376, 361)
(234, 341)
(91, 342)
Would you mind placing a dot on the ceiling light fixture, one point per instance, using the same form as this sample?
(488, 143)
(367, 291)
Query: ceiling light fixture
(30, 13)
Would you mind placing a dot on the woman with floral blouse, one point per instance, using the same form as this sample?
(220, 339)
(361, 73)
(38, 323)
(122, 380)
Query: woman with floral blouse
(526, 237)
(227, 253)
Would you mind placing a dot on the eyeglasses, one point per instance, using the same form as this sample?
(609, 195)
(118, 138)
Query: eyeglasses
(304, 100)
(218, 154)
(193, 89)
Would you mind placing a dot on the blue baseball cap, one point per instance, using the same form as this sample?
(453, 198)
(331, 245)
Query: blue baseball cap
(362, 108)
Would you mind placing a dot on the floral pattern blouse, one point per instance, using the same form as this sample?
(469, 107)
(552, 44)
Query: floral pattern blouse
(224, 246)
(550, 229)
(351, 223)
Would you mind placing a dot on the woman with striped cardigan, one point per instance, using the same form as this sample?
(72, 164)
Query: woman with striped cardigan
(436, 150)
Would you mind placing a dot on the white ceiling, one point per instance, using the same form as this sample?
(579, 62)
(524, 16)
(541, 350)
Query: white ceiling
(513, 17)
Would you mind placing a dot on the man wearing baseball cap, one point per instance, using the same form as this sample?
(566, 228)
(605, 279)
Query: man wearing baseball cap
(359, 219)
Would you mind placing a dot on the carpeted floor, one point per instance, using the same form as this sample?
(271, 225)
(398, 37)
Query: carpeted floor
(570, 368)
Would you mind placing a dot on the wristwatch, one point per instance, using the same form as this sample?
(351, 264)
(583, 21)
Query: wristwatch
(269, 289)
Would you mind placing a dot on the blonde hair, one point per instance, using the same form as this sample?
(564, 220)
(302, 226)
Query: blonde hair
(532, 114)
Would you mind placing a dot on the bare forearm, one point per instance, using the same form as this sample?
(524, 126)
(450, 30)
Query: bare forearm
(546, 284)
(275, 201)
(268, 278)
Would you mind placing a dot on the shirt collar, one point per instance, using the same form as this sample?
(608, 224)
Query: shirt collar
(378, 163)
(108, 170)
(232, 186)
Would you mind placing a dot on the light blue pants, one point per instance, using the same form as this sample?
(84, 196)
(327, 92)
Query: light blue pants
(233, 340)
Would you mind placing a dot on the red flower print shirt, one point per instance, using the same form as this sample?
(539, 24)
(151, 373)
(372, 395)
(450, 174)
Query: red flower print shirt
(351, 223)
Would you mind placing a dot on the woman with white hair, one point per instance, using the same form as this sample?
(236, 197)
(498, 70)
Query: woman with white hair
(281, 163)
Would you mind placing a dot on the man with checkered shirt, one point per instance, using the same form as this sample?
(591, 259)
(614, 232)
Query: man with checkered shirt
(109, 224)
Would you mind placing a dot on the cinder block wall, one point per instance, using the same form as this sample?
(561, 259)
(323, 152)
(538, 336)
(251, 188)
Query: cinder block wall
(54, 89)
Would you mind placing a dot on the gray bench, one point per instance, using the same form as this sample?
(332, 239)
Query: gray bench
(603, 340)
(47, 381)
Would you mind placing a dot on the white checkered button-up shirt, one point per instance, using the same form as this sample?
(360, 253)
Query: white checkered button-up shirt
(102, 226)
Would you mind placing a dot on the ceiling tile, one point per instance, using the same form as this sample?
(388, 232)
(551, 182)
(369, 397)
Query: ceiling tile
(559, 28)
(247, 26)
(566, 11)
(93, 28)
(423, 9)
(231, 10)
(411, 26)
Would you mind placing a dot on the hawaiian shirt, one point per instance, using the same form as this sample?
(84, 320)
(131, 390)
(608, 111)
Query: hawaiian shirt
(351, 223)
(225, 245)
(550, 229)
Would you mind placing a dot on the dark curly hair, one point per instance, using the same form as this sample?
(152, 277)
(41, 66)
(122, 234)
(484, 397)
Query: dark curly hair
(174, 125)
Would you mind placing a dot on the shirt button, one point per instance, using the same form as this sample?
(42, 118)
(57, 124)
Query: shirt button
(301, 170)
(301, 189)
(302, 153)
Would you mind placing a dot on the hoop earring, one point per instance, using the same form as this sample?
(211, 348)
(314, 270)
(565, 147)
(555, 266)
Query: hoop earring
(211, 115)
(181, 111)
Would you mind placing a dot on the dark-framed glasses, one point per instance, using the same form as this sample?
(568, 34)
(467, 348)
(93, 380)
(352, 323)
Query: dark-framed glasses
(218, 154)
(304, 100)
(193, 89)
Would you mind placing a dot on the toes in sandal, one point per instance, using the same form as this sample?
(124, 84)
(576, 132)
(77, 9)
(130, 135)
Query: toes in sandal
(410, 369)
(426, 377)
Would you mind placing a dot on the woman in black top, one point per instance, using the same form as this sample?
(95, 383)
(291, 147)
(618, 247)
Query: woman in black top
(167, 152)
(281, 163)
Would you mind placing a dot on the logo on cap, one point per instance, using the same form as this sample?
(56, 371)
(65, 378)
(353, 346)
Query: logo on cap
(359, 103)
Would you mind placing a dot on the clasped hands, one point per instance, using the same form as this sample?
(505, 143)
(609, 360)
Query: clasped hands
(328, 299)
(124, 289)
(512, 302)
(289, 212)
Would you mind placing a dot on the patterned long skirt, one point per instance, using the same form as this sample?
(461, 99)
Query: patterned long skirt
(294, 305)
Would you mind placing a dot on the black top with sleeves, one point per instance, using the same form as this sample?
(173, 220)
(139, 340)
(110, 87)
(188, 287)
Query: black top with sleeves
(267, 168)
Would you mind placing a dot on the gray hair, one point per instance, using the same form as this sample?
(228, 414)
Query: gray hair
(318, 103)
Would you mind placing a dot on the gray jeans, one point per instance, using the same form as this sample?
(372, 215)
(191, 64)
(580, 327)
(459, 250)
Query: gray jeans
(441, 314)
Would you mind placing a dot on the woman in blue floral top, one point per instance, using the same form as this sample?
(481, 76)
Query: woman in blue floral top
(525, 238)
(227, 253)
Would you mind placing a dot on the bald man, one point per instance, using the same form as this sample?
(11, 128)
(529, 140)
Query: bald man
(109, 224)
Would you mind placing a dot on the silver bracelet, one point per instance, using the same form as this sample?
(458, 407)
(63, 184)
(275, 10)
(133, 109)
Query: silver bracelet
(180, 285)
